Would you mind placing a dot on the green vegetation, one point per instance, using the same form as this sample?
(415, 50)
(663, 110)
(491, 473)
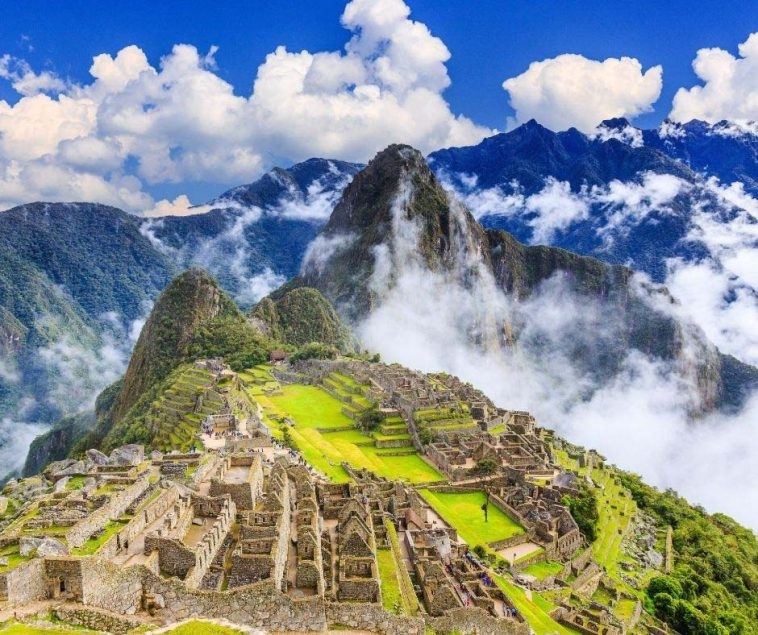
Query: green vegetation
(408, 599)
(94, 543)
(536, 611)
(463, 511)
(584, 510)
(302, 316)
(370, 419)
(388, 575)
(315, 350)
(712, 587)
(326, 436)
(542, 570)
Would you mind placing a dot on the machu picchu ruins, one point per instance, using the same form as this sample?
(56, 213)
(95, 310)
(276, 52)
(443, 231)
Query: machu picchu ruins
(259, 513)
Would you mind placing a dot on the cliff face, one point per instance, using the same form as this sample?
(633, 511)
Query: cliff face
(396, 230)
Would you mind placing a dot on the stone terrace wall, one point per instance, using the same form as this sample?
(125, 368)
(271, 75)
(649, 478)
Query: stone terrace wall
(137, 525)
(77, 535)
(107, 586)
(475, 620)
(96, 619)
(25, 583)
(368, 617)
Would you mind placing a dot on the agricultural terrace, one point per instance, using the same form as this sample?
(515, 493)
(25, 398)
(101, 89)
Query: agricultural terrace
(463, 511)
(326, 436)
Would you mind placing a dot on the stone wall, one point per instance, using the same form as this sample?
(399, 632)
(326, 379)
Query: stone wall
(113, 588)
(475, 620)
(65, 577)
(25, 583)
(97, 620)
(77, 535)
(367, 617)
(141, 520)
(244, 494)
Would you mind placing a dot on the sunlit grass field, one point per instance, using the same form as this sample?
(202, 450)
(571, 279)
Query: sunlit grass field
(464, 512)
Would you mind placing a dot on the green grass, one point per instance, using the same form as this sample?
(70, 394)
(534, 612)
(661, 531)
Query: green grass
(408, 598)
(93, 544)
(198, 627)
(14, 557)
(312, 408)
(542, 570)
(536, 611)
(391, 595)
(75, 483)
(464, 513)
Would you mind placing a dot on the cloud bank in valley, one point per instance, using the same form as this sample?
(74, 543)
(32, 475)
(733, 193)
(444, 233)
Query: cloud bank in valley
(639, 418)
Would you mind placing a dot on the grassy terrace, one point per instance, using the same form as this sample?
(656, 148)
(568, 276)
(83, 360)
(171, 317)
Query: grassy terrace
(93, 544)
(464, 513)
(542, 570)
(536, 609)
(315, 412)
(391, 594)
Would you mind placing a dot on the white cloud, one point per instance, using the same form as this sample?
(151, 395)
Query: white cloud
(25, 81)
(180, 206)
(571, 90)
(180, 121)
(729, 87)
(639, 417)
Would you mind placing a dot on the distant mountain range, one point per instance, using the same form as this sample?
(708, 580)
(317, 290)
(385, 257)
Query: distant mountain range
(77, 279)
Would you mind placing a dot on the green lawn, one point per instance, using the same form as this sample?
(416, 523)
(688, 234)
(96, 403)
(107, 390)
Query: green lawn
(536, 611)
(391, 595)
(542, 570)
(312, 408)
(464, 513)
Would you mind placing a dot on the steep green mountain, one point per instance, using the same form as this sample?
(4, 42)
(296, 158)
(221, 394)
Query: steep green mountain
(301, 316)
(395, 226)
(192, 318)
(73, 278)
(95, 252)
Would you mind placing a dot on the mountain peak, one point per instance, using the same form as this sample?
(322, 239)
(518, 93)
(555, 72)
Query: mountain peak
(190, 301)
(615, 123)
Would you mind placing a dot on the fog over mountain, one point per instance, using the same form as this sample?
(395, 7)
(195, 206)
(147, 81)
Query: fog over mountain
(425, 286)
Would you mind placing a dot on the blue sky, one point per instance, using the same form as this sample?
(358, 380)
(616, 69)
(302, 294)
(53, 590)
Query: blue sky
(489, 40)
(429, 100)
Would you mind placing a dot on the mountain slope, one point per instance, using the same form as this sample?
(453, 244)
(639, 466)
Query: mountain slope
(301, 316)
(254, 236)
(624, 195)
(396, 228)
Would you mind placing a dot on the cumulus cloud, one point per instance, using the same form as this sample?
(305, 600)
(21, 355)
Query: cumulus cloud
(180, 206)
(729, 88)
(180, 121)
(571, 90)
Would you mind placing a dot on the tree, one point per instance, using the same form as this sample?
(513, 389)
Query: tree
(370, 419)
(583, 508)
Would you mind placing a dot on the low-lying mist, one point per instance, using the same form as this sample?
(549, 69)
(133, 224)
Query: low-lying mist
(639, 418)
